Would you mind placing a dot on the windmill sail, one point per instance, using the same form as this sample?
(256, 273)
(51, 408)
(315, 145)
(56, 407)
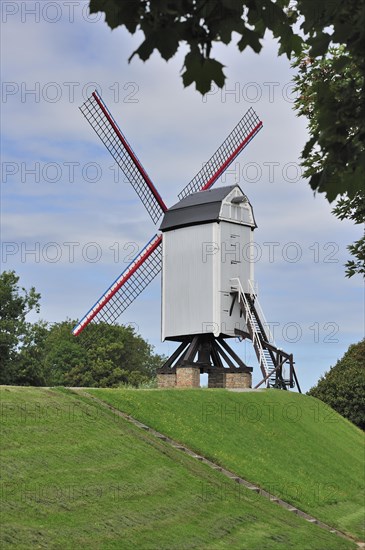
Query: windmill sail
(241, 135)
(101, 120)
(138, 275)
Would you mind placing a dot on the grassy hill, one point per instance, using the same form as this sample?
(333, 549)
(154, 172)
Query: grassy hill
(289, 444)
(75, 475)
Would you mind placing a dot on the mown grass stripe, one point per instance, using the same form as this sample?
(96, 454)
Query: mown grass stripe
(233, 476)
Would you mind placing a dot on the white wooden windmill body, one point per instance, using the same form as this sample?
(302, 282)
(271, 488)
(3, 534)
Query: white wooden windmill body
(206, 244)
(203, 251)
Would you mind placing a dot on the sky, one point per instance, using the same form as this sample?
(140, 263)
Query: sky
(70, 223)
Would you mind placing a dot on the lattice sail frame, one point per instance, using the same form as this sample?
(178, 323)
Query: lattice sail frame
(148, 263)
(127, 287)
(100, 119)
(238, 139)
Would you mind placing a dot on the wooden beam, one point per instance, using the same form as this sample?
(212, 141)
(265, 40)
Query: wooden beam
(242, 334)
(225, 357)
(268, 375)
(296, 380)
(264, 343)
(215, 356)
(233, 302)
(191, 351)
(175, 355)
(230, 351)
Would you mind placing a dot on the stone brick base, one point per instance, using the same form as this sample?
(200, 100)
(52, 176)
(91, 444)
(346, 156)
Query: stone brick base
(166, 380)
(188, 377)
(216, 379)
(238, 380)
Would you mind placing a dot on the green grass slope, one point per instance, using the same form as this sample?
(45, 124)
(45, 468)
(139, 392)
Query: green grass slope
(75, 475)
(290, 444)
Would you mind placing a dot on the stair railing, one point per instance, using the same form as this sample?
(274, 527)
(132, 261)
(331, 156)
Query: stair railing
(251, 325)
(261, 313)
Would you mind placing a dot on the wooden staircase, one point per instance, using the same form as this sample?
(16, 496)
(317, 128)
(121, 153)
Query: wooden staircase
(272, 360)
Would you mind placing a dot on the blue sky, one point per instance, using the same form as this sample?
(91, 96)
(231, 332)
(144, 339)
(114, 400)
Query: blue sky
(69, 222)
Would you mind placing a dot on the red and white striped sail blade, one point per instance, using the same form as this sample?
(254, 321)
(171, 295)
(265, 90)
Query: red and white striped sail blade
(241, 135)
(140, 272)
(101, 120)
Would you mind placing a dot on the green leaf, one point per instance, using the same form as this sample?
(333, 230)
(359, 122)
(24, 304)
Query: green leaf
(308, 147)
(226, 28)
(167, 42)
(118, 13)
(250, 38)
(202, 71)
(290, 43)
(145, 49)
(319, 44)
(315, 180)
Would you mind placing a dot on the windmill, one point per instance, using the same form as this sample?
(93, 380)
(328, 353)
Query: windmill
(204, 347)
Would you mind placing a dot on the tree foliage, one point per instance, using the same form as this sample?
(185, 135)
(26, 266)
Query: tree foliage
(40, 354)
(15, 332)
(101, 356)
(335, 105)
(200, 24)
(343, 387)
(354, 209)
(330, 95)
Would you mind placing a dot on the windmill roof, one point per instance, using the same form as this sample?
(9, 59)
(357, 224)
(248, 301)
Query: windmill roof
(197, 208)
